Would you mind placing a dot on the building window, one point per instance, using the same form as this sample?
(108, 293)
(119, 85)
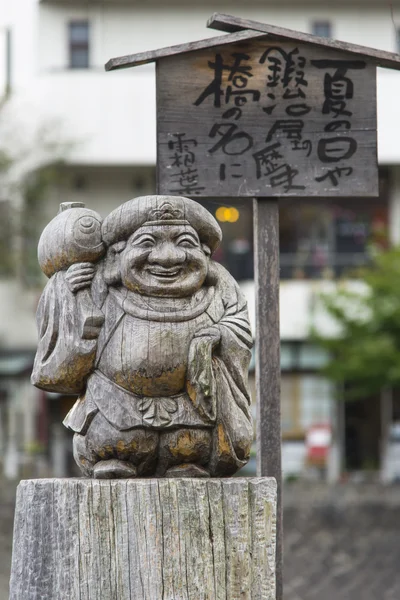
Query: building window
(322, 29)
(79, 45)
(236, 250)
(306, 401)
(331, 238)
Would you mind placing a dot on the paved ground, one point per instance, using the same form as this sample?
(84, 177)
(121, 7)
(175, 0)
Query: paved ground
(341, 543)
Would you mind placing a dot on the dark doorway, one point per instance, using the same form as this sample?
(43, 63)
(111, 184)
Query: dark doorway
(362, 434)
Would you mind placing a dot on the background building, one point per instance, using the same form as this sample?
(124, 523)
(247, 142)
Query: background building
(97, 131)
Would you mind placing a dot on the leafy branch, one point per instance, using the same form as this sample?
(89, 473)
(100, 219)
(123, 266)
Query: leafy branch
(366, 350)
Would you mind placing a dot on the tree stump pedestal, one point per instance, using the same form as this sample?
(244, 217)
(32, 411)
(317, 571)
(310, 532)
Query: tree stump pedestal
(144, 539)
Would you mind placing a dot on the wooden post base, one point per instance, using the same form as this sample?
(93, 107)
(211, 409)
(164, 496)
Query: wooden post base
(145, 539)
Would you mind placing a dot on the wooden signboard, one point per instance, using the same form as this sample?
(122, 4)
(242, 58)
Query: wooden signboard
(259, 118)
(265, 113)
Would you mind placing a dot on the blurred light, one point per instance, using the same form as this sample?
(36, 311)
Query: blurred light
(220, 213)
(226, 214)
(233, 215)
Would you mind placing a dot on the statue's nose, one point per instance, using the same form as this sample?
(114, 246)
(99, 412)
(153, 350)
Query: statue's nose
(167, 255)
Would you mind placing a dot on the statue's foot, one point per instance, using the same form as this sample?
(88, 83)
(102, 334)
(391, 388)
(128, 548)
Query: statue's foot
(187, 470)
(113, 469)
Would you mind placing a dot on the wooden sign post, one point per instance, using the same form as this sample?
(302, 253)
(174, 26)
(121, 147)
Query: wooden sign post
(266, 113)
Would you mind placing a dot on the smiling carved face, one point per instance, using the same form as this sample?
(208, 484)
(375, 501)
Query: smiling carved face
(165, 260)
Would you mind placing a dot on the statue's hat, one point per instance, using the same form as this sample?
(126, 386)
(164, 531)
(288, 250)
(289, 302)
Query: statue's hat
(160, 210)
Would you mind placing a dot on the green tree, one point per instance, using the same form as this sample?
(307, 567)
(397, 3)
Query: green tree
(366, 350)
(35, 190)
(30, 171)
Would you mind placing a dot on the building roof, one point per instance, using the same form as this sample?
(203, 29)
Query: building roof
(244, 29)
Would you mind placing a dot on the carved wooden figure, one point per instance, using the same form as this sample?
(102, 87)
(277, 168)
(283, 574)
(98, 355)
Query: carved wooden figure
(152, 334)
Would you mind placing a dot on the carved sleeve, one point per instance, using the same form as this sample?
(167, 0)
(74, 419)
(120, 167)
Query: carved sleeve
(236, 336)
(63, 359)
(231, 357)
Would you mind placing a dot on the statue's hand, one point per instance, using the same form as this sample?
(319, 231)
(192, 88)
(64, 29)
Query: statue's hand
(79, 276)
(210, 332)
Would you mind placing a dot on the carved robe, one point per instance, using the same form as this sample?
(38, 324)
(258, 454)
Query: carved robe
(149, 368)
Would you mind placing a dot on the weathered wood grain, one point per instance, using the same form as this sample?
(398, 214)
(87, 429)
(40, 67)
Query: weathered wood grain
(229, 23)
(265, 118)
(154, 539)
(266, 263)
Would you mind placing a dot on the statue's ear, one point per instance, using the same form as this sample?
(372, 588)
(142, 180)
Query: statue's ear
(112, 270)
(206, 250)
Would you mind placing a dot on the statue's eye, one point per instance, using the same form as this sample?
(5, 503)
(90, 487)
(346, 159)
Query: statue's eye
(187, 242)
(144, 242)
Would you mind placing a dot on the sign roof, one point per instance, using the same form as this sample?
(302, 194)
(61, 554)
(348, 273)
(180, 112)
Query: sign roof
(142, 58)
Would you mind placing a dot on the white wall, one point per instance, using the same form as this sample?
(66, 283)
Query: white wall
(300, 308)
(103, 189)
(388, 94)
(103, 116)
(394, 205)
(17, 324)
(21, 17)
(111, 116)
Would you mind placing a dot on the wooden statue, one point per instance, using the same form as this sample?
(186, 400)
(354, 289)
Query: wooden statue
(152, 334)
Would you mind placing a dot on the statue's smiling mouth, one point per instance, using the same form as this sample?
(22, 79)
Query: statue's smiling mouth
(170, 273)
